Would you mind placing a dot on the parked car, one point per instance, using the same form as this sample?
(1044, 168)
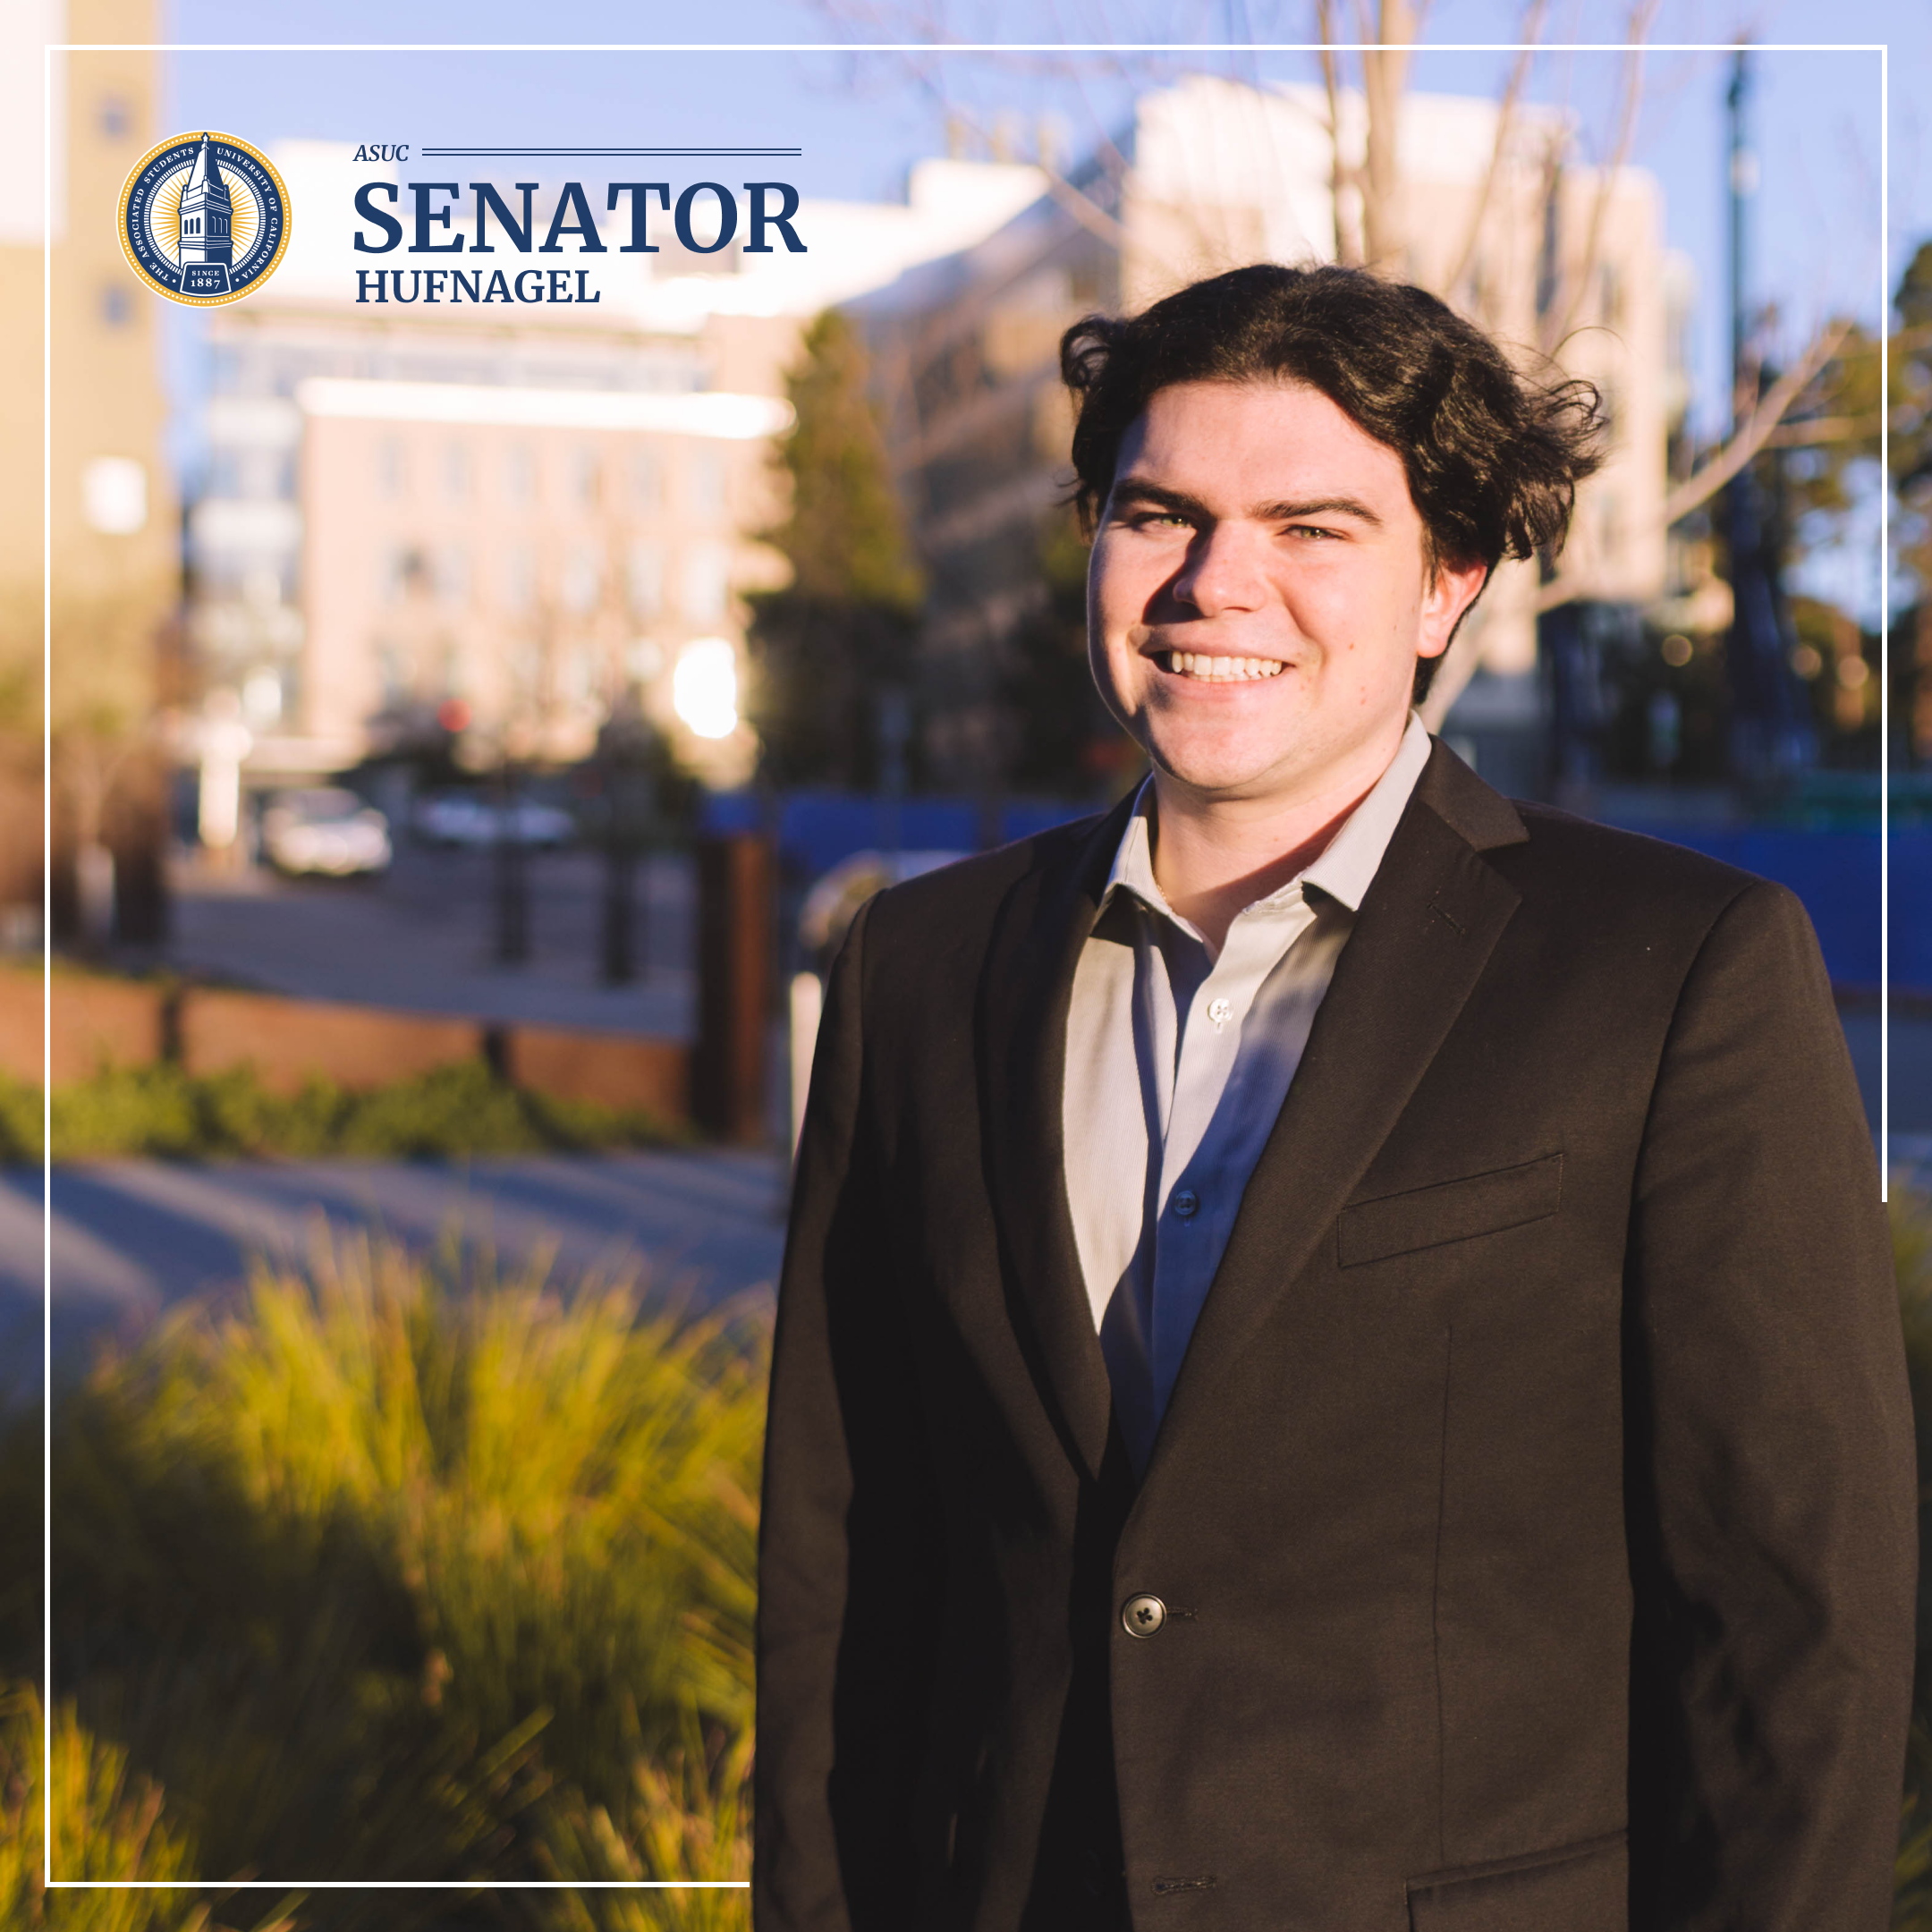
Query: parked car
(471, 819)
(324, 828)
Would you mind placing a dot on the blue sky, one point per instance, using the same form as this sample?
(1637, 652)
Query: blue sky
(862, 119)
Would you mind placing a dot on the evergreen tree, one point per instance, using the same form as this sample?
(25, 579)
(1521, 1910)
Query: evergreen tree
(826, 646)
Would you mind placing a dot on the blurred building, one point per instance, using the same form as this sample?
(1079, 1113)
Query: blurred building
(113, 522)
(500, 519)
(1549, 255)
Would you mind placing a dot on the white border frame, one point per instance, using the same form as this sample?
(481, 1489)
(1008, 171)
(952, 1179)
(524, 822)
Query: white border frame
(785, 47)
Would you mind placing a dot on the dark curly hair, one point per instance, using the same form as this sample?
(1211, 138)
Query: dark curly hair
(1494, 457)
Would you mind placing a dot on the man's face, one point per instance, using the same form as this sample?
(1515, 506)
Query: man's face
(1259, 595)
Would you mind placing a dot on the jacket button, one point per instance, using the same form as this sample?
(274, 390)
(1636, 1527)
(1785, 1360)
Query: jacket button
(1187, 1204)
(1143, 1615)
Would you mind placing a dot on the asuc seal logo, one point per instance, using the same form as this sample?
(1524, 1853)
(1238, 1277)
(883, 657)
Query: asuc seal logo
(204, 219)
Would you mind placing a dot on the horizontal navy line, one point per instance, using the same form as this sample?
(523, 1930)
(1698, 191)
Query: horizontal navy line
(440, 152)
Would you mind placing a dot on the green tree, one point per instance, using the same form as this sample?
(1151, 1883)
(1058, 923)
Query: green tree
(1067, 742)
(1832, 437)
(840, 634)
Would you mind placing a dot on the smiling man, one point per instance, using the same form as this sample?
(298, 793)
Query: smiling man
(1336, 1364)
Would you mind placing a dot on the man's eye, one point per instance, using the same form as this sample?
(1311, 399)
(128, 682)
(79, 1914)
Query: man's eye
(1310, 530)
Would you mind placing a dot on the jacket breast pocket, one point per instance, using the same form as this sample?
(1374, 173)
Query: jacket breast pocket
(1571, 1888)
(1449, 1211)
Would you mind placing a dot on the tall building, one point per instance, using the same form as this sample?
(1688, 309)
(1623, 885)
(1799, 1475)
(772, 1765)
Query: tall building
(1551, 256)
(114, 529)
(498, 519)
(207, 212)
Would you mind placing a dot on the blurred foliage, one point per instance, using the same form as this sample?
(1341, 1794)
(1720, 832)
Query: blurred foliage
(824, 646)
(1836, 423)
(843, 534)
(161, 1111)
(108, 1824)
(1068, 740)
(400, 1570)
(687, 1819)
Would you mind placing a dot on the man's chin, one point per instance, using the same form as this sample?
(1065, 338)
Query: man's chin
(1227, 775)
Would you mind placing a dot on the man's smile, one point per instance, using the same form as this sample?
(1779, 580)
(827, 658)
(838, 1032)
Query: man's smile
(1216, 669)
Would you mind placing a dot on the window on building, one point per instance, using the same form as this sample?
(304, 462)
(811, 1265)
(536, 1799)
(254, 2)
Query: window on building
(646, 478)
(456, 472)
(645, 575)
(584, 476)
(520, 474)
(704, 483)
(114, 494)
(115, 116)
(261, 698)
(453, 575)
(583, 579)
(577, 677)
(117, 305)
(518, 578)
(707, 583)
(392, 475)
(402, 571)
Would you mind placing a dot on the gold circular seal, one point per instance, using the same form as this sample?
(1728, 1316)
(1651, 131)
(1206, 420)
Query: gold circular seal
(204, 218)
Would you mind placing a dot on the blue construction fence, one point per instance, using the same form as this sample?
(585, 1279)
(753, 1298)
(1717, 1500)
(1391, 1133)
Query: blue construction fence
(1835, 873)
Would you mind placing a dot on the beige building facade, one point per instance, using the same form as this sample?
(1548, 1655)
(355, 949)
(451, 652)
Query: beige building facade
(112, 514)
(505, 520)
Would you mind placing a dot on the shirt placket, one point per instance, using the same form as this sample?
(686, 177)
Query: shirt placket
(1194, 1210)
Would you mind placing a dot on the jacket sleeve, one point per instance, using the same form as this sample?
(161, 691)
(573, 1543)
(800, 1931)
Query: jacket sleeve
(1771, 1481)
(847, 1531)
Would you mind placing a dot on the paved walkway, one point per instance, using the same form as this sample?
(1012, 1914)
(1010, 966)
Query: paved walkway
(129, 1237)
(421, 938)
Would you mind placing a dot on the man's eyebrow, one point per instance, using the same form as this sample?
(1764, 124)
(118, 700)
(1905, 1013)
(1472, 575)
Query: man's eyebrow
(1144, 490)
(1319, 506)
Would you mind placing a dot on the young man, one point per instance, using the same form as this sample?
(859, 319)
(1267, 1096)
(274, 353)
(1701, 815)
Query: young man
(1337, 1364)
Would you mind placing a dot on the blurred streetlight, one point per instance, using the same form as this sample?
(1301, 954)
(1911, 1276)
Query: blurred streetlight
(703, 687)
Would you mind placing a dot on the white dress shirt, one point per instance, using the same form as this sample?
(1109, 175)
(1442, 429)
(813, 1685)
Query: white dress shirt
(1177, 1063)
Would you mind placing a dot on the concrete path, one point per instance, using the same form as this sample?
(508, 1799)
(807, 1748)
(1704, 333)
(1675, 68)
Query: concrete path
(421, 938)
(129, 1237)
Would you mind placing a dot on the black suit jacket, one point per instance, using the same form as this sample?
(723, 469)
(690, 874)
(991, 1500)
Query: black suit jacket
(1535, 1506)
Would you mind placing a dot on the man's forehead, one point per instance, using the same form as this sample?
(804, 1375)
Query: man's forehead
(1269, 440)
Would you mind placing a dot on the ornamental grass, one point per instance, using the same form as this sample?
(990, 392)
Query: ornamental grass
(397, 1568)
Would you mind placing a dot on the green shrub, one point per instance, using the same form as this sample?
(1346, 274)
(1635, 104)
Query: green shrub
(108, 1824)
(396, 1569)
(160, 1112)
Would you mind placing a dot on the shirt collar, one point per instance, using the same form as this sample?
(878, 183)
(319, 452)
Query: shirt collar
(1348, 862)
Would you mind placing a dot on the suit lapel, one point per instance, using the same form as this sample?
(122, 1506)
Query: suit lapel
(1024, 1000)
(1423, 935)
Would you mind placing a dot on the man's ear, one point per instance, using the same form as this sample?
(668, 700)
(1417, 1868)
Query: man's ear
(1451, 589)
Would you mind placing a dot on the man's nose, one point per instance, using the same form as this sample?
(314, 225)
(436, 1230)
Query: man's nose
(1226, 571)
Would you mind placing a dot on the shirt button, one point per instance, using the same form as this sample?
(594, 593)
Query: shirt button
(1187, 1204)
(1219, 1011)
(1143, 1615)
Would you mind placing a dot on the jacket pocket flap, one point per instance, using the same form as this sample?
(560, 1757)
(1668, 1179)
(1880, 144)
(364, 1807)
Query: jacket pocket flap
(1579, 1887)
(1450, 1211)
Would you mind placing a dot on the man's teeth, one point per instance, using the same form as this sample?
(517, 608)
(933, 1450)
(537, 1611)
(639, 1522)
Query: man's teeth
(1199, 664)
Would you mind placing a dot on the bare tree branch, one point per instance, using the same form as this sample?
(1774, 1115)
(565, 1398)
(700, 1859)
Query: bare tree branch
(1816, 430)
(1584, 270)
(1385, 73)
(1531, 32)
(1704, 483)
(1340, 174)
